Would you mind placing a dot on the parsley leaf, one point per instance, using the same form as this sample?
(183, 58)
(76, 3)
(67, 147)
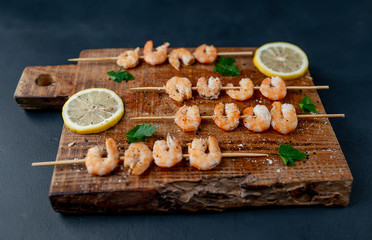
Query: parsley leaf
(119, 75)
(226, 61)
(226, 67)
(288, 154)
(307, 105)
(140, 132)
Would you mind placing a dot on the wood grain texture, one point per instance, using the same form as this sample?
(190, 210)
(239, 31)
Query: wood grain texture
(324, 178)
(33, 96)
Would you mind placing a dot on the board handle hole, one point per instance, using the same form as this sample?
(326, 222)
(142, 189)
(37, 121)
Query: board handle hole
(45, 80)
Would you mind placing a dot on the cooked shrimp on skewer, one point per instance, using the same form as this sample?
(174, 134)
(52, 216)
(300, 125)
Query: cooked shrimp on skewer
(179, 88)
(205, 53)
(245, 92)
(137, 158)
(198, 156)
(167, 153)
(273, 88)
(97, 165)
(129, 59)
(180, 54)
(157, 57)
(188, 118)
(229, 121)
(209, 89)
(283, 117)
(258, 118)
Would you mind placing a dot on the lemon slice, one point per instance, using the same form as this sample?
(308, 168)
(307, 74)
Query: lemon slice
(281, 59)
(92, 110)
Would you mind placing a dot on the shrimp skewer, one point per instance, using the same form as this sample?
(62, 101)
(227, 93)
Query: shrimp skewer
(97, 165)
(179, 88)
(283, 117)
(128, 59)
(188, 118)
(244, 116)
(167, 153)
(258, 118)
(245, 92)
(138, 156)
(180, 54)
(203, 53)
(274, 88)
(79, 161)
(191, 121)
(157, 57)
(209, 89)
(235, 88)
(198, 156)
(229, 121)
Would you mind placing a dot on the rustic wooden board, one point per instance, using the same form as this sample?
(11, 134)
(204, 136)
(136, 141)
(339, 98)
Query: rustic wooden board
(324, 178)
(56, 86)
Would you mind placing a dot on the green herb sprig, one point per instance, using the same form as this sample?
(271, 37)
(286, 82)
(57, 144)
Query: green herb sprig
(140, 132)
(289, 154)
(307, 105)
(226, 67)
(120, 76)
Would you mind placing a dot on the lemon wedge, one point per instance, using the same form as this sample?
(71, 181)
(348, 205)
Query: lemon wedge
(92, 110)
(282, 59)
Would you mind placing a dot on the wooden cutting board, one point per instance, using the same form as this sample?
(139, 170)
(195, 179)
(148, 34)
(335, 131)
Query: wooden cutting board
(323, 178)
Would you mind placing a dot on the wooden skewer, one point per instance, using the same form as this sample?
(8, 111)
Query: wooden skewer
(247, 53)
(54, 163)
(244, 116)
(321, 115)
(232, 88)
(92, 59)
(79, 161)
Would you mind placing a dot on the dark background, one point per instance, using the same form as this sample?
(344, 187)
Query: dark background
(335, 35)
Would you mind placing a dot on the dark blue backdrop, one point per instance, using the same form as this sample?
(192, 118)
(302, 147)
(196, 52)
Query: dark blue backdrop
(335, 35)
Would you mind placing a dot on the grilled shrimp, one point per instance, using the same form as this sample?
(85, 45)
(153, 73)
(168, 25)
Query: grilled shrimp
(157, 57)
(188, 118)
(245, 92)
(205, 54)
(283, 117)
(198, 156)
(97, 165)
(128, 59)
(209, 89)
(180, 54)
(274, 88)
(229, 121)
(137, 158)
(258, 118)
(179, 88)
(167, 153)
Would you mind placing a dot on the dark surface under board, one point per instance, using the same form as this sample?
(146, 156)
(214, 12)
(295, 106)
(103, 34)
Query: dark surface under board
(336, 37)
